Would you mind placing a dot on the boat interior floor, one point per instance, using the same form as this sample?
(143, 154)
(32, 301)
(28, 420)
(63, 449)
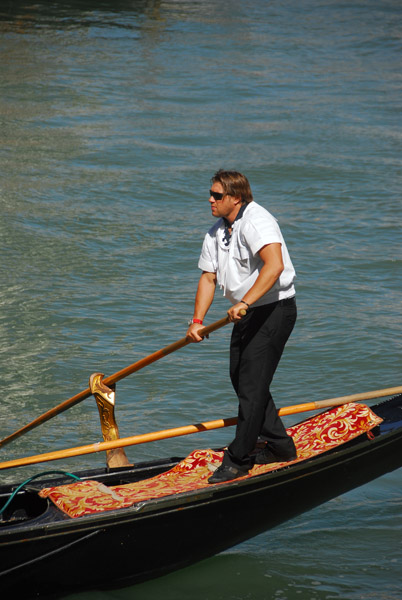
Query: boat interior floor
(321, 433)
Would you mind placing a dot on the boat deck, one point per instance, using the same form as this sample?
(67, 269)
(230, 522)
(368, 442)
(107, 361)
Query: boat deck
(321, 433)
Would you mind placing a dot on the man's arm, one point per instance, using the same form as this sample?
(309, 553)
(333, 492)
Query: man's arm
(271, 256)
(203, 300)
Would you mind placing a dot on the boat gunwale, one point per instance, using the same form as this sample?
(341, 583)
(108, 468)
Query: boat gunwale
(155, 507)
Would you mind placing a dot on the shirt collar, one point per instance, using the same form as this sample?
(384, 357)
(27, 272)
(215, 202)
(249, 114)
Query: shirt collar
(227, 233)
(238, 216)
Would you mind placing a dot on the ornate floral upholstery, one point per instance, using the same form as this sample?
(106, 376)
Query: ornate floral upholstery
(318, 434)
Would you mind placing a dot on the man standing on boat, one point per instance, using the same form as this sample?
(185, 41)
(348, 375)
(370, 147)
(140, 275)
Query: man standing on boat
(246, 255)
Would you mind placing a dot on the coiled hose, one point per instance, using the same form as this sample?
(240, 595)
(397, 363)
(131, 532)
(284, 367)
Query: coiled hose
(15, 492)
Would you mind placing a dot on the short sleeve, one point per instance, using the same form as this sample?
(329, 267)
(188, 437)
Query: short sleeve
(208, 260)
(259, 233)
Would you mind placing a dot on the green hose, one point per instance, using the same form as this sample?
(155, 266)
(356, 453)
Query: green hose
(15, 492)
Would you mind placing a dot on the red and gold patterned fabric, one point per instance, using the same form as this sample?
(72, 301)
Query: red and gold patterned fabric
(318, 434)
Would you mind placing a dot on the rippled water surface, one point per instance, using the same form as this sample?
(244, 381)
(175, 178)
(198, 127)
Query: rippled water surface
(114, 116)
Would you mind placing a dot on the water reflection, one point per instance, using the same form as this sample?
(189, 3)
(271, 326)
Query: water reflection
(23, 16)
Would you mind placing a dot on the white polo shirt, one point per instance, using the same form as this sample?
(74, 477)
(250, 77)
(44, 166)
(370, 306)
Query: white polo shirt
(238, 264)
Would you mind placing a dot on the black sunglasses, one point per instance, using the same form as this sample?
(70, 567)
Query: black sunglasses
(216, 195)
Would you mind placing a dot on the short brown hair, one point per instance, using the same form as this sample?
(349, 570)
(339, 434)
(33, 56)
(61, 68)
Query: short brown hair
(234, 184)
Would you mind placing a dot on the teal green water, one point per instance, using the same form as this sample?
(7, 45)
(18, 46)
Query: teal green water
(114, 116)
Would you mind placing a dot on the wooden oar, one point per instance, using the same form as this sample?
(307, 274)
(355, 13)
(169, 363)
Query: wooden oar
(297, 408)
(188, 429)
(122, 442)
(111, 379)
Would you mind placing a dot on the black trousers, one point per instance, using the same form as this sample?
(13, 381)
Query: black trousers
(256, 347)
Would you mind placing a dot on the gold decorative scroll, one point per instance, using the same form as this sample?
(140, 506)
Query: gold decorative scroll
(105, 400)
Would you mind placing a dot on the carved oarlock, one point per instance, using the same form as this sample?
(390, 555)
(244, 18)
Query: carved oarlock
(105, 400)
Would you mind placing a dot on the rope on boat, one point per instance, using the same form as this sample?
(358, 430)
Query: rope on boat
(15, 492)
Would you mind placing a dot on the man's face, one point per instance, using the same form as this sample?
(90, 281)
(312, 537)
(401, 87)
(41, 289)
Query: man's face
(221, 205)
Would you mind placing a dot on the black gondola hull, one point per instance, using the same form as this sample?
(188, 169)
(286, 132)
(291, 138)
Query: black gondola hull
(52, 552)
